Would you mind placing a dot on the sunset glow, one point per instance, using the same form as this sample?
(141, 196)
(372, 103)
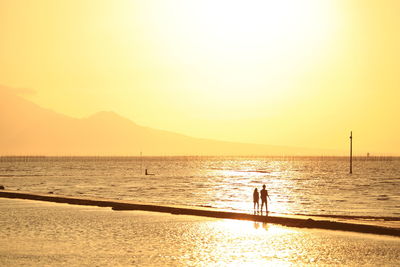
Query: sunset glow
(199, 132)
(290, 73)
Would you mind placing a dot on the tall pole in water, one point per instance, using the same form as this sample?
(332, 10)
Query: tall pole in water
(351, 152)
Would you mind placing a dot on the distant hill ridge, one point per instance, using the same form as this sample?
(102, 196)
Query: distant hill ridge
(28, 129)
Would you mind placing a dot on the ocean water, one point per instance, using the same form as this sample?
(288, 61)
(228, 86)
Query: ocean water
(37, 233)
(303, 186)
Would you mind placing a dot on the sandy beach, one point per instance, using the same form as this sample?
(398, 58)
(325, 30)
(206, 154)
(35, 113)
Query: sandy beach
(37, 233)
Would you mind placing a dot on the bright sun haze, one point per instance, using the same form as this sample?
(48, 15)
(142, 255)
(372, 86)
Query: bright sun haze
(294, 73)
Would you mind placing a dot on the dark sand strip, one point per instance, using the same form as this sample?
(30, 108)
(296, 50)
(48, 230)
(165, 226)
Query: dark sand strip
(126, 205)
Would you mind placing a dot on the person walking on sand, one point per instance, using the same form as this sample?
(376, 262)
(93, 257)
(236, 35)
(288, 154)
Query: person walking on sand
(264, 195)
(256, 197)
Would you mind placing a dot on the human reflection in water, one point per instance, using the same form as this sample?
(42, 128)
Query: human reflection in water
(264, 225)
(264, 195)
(256, 198)
(256, 225)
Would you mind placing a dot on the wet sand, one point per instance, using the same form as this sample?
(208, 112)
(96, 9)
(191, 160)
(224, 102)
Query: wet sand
(37, 233)
(285, 221)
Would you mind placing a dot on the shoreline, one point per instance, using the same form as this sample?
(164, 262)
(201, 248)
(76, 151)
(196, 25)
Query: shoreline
(285, 221)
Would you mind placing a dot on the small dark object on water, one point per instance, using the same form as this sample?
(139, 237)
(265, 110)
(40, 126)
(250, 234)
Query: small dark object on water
(2, 187)
(146, 173)
(51, 192)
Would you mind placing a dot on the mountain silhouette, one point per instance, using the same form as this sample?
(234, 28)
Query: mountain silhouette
(28, 129)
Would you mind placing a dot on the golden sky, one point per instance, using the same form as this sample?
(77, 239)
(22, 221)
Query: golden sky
(296, 73)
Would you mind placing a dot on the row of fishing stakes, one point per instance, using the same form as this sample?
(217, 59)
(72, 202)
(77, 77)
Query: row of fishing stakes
(351, 155)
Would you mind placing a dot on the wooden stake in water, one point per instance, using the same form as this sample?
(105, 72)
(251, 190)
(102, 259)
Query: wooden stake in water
(351, 152)
(141, 162)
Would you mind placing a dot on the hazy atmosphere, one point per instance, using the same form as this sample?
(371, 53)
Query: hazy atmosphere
(284, 73)
(199, 133)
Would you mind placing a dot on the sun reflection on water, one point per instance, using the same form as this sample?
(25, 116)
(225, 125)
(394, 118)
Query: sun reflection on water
(242, 182)
(246, 243)
(101, 237)
(240, 228)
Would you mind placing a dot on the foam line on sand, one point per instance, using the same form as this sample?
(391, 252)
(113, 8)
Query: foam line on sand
(127, 205)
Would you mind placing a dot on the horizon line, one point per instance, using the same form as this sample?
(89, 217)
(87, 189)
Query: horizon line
(198, 156)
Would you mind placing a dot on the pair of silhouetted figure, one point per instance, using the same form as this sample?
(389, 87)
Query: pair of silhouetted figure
(256, 198)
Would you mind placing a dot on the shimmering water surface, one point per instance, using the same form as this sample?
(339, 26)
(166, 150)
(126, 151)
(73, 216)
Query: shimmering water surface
(311, 186)
(48, 234)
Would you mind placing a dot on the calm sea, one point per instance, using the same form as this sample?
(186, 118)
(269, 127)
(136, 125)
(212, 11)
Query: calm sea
(309, 186)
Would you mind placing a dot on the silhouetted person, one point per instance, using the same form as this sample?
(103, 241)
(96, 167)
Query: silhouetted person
(256, 198)
(264, 195)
